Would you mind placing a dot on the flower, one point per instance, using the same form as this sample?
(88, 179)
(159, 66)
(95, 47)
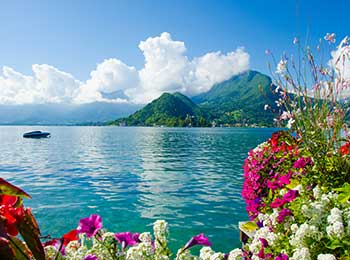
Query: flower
(277, 203)
(90, 226)
(70, 236)
(295, 40)
(290, 195)
(10, 213)
(344, 149)
(330, 37)
(125, 239)
(282, 257)
(281, 66)
(90, 257)
(197, 240)
(326, 257)
(283, 214)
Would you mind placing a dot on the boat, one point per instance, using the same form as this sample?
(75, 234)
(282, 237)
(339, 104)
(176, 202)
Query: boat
(36, 134)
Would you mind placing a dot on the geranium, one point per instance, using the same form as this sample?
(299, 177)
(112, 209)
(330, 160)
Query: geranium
(90, 226)
(344, 149)
(11, 213)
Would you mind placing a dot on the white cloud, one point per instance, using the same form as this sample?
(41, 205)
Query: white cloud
(111, 75)
(166, 69)
(340, 62)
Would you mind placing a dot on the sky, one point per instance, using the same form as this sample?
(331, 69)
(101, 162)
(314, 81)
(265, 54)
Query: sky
(79, 51)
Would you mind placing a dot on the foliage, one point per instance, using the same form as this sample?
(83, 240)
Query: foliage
(240, 100)
(168, 110)
(14, 220)
(237, 101)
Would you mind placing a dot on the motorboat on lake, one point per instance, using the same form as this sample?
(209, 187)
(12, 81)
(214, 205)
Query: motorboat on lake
(36, 134)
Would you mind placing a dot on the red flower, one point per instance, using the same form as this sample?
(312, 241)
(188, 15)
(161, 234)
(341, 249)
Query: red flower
(344, 149)
(70, 236)
(10, 214)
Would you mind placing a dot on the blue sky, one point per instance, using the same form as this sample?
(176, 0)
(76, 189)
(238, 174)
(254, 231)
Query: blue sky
(74, 36)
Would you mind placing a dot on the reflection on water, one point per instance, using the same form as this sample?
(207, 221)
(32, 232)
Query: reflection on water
(132, 176)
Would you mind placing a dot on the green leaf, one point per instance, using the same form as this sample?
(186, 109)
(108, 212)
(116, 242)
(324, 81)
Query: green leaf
(7, 188)
(344, 194)
(334, 245)
(29, 230)
(250, 226)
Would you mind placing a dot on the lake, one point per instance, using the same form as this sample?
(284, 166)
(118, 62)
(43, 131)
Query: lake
(132, 176)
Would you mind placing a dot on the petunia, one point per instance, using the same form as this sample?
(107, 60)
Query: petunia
(197, 240)
(125, 239)
(282, 257)
(277, 203)
(90, 226)
(90, 257)
(290, 195)
(283, 214)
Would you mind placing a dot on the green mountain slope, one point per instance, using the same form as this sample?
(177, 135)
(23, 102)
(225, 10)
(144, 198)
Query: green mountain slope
(239, 100)
(168, 110)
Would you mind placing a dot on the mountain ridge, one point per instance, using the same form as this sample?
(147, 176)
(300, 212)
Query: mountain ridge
(238, 101)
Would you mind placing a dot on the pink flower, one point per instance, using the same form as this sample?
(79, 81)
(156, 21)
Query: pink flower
(277, 203)
(197, 240)
(126, 239)
(290, 195)
(90, 257)
(282, 257)
(302, 162)
(330, 37)
(283, 214)
(90, 226)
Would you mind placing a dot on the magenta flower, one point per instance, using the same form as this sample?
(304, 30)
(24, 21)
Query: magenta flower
(277, 203)
(283, 214)
(90, 257)
(197, 240)
(290, 195)
(302, 162)
(90, 226)
(125, 239)
(282, 257)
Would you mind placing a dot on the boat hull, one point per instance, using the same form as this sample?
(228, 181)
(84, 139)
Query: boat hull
(36, 134)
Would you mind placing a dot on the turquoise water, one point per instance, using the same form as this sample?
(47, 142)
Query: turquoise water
(191, 177)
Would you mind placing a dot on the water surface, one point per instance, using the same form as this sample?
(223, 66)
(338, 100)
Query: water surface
(191, 177)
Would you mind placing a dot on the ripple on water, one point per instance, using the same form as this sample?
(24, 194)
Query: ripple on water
(133, 176)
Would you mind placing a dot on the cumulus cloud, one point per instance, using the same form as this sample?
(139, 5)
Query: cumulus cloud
(110, 76)
(166, 69)
(340, 62)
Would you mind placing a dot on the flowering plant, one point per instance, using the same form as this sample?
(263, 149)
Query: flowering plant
(296, 188)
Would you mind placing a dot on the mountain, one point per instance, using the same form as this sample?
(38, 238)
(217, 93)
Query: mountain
(64, 114)
(167, 110)
(239, 100)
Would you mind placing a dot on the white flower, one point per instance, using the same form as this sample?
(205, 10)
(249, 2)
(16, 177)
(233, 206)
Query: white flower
(145, 237)
(301, 254)
(266, 106)
(205, 253)
(290, 123)
(326, 257)
(317, 192)
(235, 254)
(217, 256)
(330, 37)
(281, 67)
